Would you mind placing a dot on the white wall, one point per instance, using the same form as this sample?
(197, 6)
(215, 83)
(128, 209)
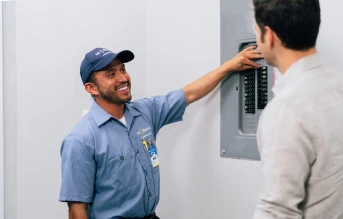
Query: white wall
(196, 182)
(330, 35)
(184, 44)
(10, 109)
(2, 162)
(51, 40)
(175, 42)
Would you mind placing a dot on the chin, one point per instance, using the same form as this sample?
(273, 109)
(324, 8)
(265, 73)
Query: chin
(271, 63)
(127, 99)
(269, 58)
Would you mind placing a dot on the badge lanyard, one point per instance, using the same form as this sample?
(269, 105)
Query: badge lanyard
(151, 149)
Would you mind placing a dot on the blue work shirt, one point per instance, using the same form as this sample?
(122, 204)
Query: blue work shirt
(105, 164)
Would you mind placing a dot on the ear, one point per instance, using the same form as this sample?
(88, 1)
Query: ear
(269, 37)
(92, 89)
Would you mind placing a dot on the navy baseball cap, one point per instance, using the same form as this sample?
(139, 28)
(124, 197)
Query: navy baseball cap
(99, 58)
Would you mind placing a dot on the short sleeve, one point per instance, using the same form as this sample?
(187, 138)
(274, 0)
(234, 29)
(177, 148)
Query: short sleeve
(78, 171)
(165, 109)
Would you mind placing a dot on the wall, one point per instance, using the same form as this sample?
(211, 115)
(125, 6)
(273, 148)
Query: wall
(175, 42)
(330, 35)
(196, 182)
(10, 109)
(50, 40)
(183, 41)
(2, 162)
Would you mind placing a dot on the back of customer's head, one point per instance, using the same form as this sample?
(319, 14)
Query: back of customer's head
(295, 22)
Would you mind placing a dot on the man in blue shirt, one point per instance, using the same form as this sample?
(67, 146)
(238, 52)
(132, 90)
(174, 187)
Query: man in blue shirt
(110, 164)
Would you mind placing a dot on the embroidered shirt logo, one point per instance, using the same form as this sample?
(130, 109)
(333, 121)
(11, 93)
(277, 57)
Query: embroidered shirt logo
(143, 130)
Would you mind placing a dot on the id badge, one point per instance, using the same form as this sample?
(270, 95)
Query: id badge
(152, 150)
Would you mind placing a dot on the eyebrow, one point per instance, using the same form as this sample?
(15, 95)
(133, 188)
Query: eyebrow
(115, 67)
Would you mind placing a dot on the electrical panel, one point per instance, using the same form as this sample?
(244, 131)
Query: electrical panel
(244, 95)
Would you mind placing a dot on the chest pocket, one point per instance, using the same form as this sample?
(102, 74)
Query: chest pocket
(123, 171)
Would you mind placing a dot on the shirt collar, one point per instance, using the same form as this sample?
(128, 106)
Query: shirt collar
(101, 116)
(302, 65)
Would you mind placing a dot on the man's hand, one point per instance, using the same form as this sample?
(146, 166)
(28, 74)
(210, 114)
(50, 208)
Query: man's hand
(204, 85)
(243, 60)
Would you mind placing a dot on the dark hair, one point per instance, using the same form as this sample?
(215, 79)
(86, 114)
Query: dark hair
(295, 22)
(92, 78)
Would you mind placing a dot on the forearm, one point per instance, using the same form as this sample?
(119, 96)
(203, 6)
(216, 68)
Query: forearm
(78, 211)
(271, 210)
(201, 87)
(204, 85)
(78, 215)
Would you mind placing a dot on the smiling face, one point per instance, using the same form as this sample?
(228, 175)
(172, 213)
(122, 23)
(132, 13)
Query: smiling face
(112, 84)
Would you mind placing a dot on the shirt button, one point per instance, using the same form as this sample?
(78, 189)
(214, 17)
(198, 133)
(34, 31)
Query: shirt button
(122, 158)
(150, 194)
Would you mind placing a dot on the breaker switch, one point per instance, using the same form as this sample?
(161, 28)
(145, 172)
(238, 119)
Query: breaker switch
(262, 87)
(249, 91)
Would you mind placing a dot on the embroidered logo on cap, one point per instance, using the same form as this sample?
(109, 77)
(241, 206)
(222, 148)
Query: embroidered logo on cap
(103, 52)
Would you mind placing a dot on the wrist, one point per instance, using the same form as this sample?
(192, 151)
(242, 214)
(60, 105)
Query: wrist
(227, 67)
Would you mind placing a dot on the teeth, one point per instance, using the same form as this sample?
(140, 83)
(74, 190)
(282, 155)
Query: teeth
(123, 88)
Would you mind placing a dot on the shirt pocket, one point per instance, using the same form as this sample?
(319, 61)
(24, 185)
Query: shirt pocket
(123, 171)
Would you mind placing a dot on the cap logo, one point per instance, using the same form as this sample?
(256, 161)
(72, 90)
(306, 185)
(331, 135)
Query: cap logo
(103, 52)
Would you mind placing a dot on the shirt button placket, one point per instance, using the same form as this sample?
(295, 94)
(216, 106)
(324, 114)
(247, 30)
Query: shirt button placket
(150, 188)
(145, 164)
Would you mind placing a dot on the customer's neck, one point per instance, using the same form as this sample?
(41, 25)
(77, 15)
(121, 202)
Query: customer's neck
(288, 57)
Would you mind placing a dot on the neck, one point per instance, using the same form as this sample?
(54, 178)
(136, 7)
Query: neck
(288, 57)
(115, 110)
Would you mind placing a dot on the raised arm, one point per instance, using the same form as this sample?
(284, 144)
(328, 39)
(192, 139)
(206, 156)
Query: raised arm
(204, 85)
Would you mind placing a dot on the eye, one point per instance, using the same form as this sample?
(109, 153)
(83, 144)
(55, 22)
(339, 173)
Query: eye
(111, 73)
(123, 70)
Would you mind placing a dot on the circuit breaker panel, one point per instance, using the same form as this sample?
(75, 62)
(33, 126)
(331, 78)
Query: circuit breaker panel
(253, 95)
(244, 95)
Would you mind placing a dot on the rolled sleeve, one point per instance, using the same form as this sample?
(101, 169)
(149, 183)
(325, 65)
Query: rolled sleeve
(286, 158)
(78, 171)
(166, 109)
